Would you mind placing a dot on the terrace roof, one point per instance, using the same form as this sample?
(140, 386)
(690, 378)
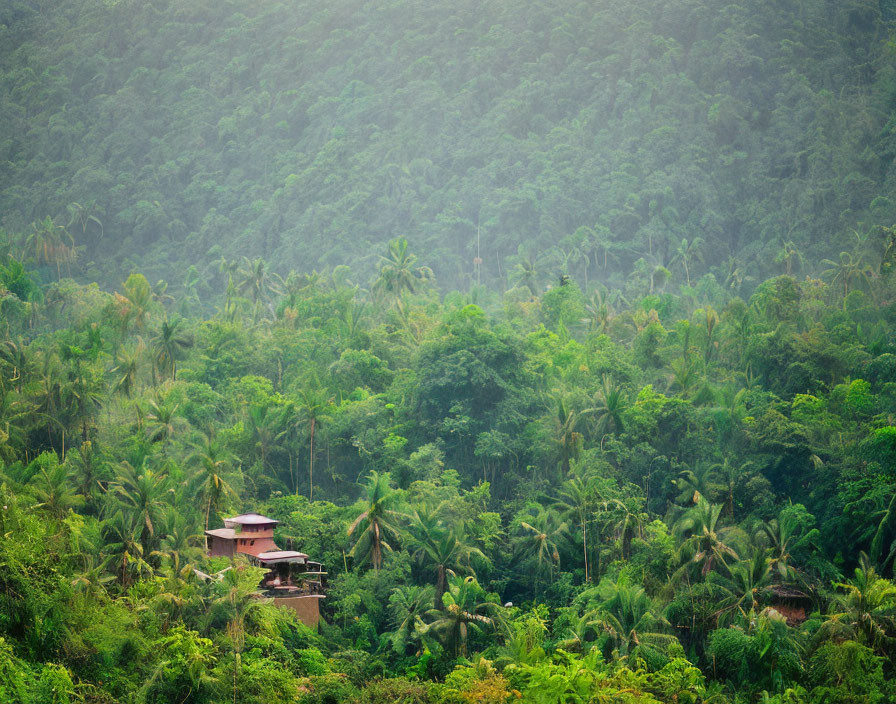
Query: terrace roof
(226, 533)
(275, 556)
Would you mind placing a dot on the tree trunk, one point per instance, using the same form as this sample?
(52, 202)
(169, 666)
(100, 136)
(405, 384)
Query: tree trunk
(377, 557)
(440, 588)
(208, 510)
(585, 548)
(311, 463)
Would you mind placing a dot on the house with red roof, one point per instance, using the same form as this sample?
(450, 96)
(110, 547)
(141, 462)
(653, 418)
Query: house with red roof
(292, 579)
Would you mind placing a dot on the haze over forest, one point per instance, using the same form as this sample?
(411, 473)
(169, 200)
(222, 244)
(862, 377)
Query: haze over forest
(447, 353)
(312, 133)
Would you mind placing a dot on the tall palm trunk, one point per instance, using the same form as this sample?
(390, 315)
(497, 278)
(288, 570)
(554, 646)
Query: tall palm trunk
(377, 547)
(440, 588)
(311, 462)
(585, 548)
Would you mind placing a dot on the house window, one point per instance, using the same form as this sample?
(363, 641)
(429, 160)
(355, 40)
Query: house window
(251, 542)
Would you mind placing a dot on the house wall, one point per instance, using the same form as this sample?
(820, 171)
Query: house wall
(265, 530)
(219, 546)
(307, 608)
(252, 545)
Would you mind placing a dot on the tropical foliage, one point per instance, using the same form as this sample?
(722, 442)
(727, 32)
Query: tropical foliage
(562, 334)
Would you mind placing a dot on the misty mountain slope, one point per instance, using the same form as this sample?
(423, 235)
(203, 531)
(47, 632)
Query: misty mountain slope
(590, 136)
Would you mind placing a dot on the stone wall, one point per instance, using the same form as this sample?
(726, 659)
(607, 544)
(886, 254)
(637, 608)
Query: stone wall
(307, 608)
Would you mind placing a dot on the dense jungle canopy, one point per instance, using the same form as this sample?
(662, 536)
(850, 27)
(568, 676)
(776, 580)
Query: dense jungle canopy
(598, 135)
(563, 334)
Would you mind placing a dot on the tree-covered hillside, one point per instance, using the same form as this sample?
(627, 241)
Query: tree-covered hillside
(621, 141)
(562, 333)
(540, 498)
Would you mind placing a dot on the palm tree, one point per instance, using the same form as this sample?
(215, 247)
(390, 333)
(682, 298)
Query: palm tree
(611, 404)
(694, 483)
(84, 392)
(347, 324)
(526, 273)
(134, 304)
(582, 632)
(790, 256)
(627, 617)
(253, 278)
(232, 301)
(123, 547)
(312, 407)
(462, 612)
(52, 490)
(729, 411)
(180, 537)
(213, 463)
(167, 347)
(727, 476)
(744, 584)
(187, 662)
(866, 612)
(301, 286)
(687, 252)
(577, 501)
(91, 579)
(566, 421)
(702, 540)
(162, 421)
(51, 396)
(127, 365)
(846, 271)
(685, 375)
(785, 534)
(604, 244)
(408, 605)
(628, 521)
(733, 275)
(266, 425)
(539, 538)
(236, 605)
(83, 216)
(376, 524)
(237, 611)
(14, 418)
(442, 549)
(572, 255)
(600, 311)
(51, 244)
(142, 495)
(88, 468)
(398, 273)
(710, 322)
(16, 362)
(174, 590)
(190, 298)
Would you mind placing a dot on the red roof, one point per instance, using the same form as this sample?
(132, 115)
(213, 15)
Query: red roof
(250, 519)
(226, 533)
